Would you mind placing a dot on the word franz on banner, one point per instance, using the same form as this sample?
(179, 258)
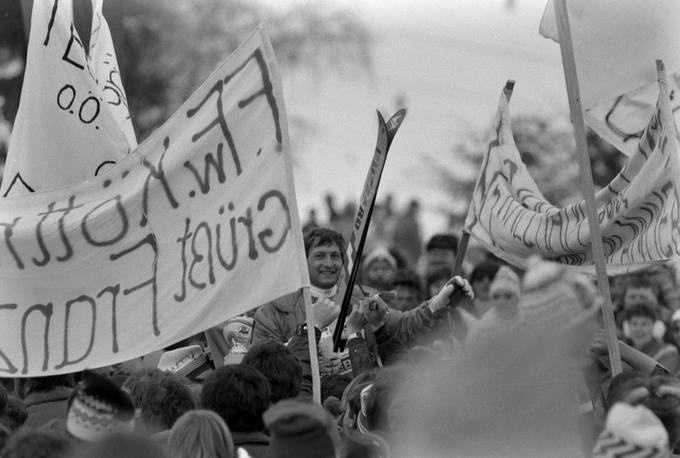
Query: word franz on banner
(198, 224)
(639, 211)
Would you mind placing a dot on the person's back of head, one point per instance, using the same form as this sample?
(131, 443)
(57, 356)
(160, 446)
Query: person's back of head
(239, 394)
(136, 383)
(163, 402)
(302, 429)
(279, 366)
(30, 443)
(200, 433)
(122, 445)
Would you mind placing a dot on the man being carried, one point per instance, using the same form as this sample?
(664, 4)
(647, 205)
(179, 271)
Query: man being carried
(284, 318)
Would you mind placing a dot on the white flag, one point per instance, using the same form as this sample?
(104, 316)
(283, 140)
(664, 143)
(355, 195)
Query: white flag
(616, 43)
(198, 224)
(72, 120)
(639, 211)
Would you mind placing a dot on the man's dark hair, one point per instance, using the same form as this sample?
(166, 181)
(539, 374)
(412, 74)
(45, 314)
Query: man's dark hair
(164, 401)
(279, 366)
(623, 384)
(239, 394)
(640, 309)
(334, 385)
(44, 384)
(321, 236)
(485, 269)
(442, 241)
(137, 383)
(31, 443)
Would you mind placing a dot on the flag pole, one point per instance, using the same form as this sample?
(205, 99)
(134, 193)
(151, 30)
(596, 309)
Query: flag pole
(569, 64)
(465, 237)
(313, 353)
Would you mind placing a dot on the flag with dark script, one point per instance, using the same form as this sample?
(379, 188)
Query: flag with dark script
(196, 225)
(639, 211)
(73, 119)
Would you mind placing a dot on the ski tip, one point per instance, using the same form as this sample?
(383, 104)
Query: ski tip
(380, 117)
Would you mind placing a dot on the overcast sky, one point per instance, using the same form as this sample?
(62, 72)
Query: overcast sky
(450, 59)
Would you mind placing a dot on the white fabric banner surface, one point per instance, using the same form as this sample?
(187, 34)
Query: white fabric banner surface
(639, 211)
(616, 43)
(73, 119)
(198, 224)
(622, 121)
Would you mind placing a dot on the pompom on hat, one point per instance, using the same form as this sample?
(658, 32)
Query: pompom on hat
(632, 431)
(97, 408)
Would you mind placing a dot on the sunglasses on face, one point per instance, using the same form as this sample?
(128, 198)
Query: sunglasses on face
(503, 296)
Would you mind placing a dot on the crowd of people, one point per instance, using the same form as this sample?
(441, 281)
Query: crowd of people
(495, 361)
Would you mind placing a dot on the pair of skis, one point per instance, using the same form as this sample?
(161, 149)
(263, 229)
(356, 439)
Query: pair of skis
(355, 246)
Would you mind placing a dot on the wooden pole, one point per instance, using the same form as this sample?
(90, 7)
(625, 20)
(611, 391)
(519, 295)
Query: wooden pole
(460, 256)
(571, 77)
(313, 354)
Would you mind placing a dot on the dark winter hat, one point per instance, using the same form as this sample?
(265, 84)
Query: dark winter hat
(301, 430)
(97, 408)
(442, 241)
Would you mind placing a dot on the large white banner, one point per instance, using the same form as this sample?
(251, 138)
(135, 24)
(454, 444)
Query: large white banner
(196, 225)
(639, 211)
(616, 43)
(73, 120)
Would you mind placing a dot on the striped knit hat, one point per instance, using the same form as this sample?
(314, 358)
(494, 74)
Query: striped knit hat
(632, 431)
(97, 408)
(554, 296)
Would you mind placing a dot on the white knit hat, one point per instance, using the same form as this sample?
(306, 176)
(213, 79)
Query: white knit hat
(632, 431)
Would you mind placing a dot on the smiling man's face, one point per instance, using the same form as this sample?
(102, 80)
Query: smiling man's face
(325, 264)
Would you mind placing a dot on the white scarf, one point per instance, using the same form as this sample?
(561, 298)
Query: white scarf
(319, 292)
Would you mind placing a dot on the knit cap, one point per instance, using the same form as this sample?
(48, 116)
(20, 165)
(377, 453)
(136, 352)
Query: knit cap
(505, 280)
(554, 296)
(302, 430)
(632, 431)
(380, 254)
(97, 408)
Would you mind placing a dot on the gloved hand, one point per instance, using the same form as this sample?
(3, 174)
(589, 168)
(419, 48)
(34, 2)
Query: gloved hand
(457, 285)
(325, 312)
